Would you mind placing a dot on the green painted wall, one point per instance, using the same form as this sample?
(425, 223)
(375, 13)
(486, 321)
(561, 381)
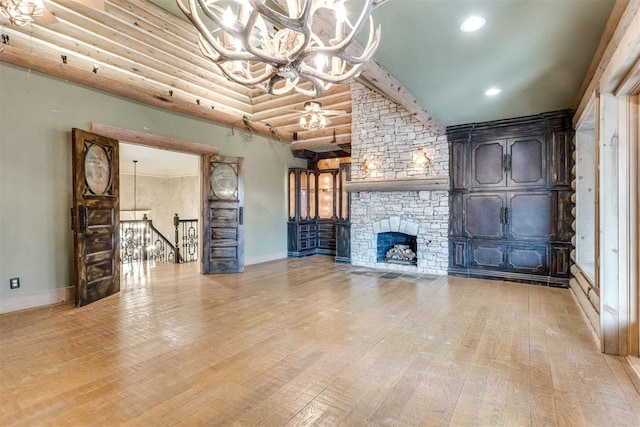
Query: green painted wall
(37, 113)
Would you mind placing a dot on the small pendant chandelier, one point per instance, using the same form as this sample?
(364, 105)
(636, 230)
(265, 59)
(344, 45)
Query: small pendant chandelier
(315, 119)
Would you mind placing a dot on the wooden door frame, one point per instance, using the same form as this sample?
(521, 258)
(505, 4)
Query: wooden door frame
(169, 144)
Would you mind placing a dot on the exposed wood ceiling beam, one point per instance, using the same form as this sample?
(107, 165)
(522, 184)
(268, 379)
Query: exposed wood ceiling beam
(324, 142)
(314, 156)
(156, 141)
(79, 72)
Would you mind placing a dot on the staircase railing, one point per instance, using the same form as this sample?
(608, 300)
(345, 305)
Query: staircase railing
(186, 238)
(141, 241)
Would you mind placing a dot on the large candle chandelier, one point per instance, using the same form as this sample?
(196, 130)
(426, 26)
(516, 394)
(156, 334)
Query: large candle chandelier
(274, 44)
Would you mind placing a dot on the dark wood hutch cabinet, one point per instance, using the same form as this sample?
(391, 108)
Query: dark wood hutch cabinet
(510, 199)
(319, 213)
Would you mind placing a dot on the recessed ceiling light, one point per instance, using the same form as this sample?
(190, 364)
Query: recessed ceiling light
(492, 91)
(473, 23)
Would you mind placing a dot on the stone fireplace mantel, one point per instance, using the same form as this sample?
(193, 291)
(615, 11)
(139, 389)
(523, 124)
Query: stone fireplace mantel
(424, 184)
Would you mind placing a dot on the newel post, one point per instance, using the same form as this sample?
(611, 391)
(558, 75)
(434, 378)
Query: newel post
(176, 254)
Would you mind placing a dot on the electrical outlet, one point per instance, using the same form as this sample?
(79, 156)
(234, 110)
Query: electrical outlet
(14, 282)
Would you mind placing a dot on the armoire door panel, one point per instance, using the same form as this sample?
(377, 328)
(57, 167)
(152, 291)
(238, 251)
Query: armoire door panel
(526, 161)
(487, 160)
(530, 216)
(456, 206)
(532, 260)
(564, 218)
(560, 260)
(458, 256)
(487, 255)
(483, 215)
(458, 166)
(560, 159)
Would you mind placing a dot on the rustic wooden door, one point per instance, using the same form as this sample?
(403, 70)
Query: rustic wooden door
(223, 216)
(95, 216)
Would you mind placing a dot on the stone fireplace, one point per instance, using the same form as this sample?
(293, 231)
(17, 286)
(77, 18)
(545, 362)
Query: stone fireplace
(397, 196)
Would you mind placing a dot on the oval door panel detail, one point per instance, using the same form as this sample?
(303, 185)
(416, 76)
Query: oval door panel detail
(97, 169)
(224, 182)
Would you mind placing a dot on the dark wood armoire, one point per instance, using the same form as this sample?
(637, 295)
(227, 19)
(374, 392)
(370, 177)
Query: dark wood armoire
(510, 199)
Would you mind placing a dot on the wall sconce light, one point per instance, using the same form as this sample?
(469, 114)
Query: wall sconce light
(421, 158)
(369, 165)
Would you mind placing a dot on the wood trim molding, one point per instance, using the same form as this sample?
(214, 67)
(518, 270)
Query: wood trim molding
(440, 183)
(155, 141)
(619, 48)
(377, 78)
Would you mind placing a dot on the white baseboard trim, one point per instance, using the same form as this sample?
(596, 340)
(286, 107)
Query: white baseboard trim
(265, 258)
(634, 371)
(594, 333)
(37, 299)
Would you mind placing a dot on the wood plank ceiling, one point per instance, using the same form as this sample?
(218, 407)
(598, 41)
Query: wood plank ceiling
(137, 50)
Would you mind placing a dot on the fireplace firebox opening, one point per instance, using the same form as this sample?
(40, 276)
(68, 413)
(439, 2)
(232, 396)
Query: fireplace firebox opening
(397, 248)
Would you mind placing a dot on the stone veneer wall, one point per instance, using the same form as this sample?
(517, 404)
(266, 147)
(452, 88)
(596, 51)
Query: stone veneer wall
(388, 135)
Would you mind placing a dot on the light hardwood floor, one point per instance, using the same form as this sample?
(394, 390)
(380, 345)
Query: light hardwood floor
(306, 342)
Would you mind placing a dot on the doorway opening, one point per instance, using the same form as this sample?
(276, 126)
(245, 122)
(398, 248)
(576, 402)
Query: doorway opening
(159, 211)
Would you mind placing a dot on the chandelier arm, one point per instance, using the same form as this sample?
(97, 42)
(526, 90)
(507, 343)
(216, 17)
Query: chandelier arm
(205, 38)
(230, 29)
(318, 85)
(296, 24)
(367, 10)
(207, 51)
(310, 93)
(245, 81)
(335, 51)
(259, 54)
(233, 30)
(289, 85)
(311, 73)
(303, 28)
(208, 44)
(366, 54)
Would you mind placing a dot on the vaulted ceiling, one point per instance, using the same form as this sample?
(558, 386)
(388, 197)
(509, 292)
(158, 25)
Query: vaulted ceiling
(537, 52)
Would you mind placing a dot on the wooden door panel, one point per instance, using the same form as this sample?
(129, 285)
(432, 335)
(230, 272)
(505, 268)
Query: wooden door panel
(219, 233)
(483, 215)
(95, 216)
(223, 202)
(99, 243)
